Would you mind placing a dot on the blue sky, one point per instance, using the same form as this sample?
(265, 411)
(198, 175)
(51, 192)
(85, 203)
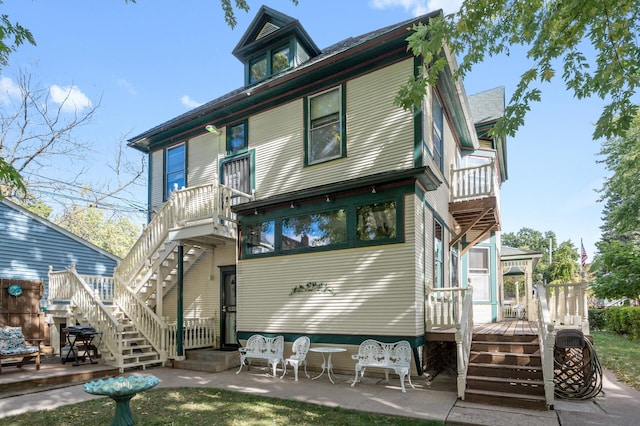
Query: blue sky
(151, 61)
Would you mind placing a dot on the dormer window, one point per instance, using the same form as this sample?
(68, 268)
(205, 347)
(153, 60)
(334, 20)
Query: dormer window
(273, 43)
(271, 63)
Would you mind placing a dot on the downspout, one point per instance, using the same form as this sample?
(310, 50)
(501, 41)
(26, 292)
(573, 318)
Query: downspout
(180, 322)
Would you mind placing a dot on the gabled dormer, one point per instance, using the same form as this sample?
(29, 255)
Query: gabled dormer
(274, 42)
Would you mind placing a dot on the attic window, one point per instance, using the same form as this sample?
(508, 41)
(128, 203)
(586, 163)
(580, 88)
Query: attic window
(272, 62)
(266, 30)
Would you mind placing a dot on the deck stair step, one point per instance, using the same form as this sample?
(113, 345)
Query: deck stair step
(209, 360)
(505, 370)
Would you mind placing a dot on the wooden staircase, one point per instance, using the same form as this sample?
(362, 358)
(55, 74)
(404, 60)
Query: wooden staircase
(506, 370)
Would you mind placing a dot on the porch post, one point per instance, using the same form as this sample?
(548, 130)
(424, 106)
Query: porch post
(180, 319)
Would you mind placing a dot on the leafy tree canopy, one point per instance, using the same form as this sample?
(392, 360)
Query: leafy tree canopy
(591, 44)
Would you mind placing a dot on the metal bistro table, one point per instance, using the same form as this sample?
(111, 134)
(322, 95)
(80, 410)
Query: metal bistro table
(326, 362)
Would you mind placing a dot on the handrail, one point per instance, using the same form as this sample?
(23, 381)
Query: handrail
(210, 201)
(151, 326)
(547, 338)
(84, 298)
(464, 336)
(473, 182)
(444, 306)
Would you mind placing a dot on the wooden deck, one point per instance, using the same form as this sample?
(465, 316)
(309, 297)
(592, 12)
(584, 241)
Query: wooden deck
(503, 328)
(508, 328)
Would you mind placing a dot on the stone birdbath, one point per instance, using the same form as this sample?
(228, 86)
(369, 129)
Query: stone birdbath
(121, 390)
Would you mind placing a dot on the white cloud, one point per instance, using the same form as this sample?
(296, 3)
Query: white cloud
(418, 7)
(188, 102)
(8, 90)
(70, 98)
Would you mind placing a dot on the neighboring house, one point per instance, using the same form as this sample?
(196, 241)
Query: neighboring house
(30, 246)
(519, 263)
(306, 203)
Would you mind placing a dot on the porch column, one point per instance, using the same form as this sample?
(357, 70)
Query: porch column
(179, 319)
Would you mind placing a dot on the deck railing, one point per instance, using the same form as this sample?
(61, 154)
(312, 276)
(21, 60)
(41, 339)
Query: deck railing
(186, 205)
(443, 306)
(197, 333)
(473, 182)
(68, 285)
(547, 338)
(464, 335)
(568, 305)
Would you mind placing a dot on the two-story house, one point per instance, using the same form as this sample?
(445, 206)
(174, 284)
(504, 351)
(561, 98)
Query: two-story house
(307, 203)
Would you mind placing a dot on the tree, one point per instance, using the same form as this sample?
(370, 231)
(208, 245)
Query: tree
(12, 35)
(37, 133)
(618, 259)
(564, 268)
(115, 235)
(593, 43)
(531, 239)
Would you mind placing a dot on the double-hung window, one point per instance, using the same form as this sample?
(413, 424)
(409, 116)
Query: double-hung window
(270, 63)
(175, 169)
(325, 126)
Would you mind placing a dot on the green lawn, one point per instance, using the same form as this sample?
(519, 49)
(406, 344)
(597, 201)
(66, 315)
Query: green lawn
(206, 406)
(620, 355)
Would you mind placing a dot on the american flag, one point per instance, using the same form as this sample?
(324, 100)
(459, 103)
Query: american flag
(583, 255)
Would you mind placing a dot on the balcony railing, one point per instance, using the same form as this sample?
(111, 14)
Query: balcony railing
(473, 182)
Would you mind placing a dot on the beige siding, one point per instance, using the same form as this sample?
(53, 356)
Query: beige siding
(379, 137)
(202, 163)
(374, 291)
(157, 179)
(201, 294)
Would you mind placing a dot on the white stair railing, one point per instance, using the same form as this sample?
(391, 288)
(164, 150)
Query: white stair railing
(464, 336)
(143, 318)
(197, 333)
(547, 338)
(71, 286)
(444, 306)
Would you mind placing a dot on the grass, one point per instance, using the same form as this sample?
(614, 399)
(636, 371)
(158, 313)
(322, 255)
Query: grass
(620, 355)
(207, 406)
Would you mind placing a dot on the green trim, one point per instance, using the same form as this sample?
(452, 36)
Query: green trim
(249, 101)
(267, 54)
(252, 162)
(349, 204)
(149, 187)
(228, 134)
(337, 339)
(343, 125)
(418, 122)
(165, 191)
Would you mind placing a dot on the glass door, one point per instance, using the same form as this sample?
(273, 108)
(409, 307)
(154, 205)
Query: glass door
(228, 308)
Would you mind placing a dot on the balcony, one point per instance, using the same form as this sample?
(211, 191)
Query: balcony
(474, 203)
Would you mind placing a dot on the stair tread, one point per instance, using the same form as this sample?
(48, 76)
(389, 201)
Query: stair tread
(504, 353)
(506, 394)
(509, 366)
(507, 380)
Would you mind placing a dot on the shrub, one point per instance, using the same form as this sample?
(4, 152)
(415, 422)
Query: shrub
(623, 320)
(597, 320)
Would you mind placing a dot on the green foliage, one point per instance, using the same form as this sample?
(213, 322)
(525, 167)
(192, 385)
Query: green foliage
(591, 45)
(619, 263)
(116, 236)
(623, 320)
(597, 320)
(10, 179)
(564, 267)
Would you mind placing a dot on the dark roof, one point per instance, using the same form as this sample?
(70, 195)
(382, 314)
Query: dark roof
(342, 46)
(487, 106)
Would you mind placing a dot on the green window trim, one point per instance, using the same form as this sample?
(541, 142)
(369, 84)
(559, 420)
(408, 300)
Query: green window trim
(237, 138)
(270, 62)
(175, 168)
(323, 121)
(273, 245)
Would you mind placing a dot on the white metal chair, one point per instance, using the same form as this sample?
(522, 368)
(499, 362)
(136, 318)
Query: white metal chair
(299, 348)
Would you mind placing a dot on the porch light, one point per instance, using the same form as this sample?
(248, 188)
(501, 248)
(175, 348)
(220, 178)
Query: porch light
(212, 129)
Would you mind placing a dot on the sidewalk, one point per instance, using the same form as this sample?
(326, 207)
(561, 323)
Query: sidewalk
(618, 405)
